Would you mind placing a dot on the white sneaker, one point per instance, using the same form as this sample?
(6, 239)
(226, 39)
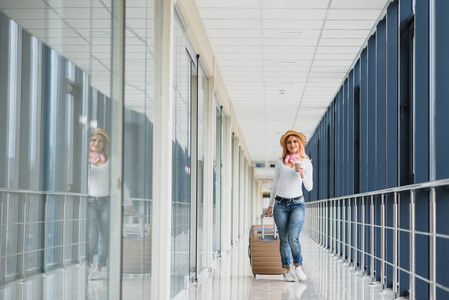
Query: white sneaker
(300, 274)
(96, 275)
(290, 276)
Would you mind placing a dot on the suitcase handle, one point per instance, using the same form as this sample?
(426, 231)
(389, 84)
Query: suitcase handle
(263, 228)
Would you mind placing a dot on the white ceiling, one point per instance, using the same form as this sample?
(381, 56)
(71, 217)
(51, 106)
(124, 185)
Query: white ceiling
(302, 47)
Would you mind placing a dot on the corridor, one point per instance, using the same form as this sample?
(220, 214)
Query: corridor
(328, 278)
(140, 141)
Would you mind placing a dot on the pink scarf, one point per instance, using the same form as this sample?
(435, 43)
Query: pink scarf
(291, 158)
(94, 157)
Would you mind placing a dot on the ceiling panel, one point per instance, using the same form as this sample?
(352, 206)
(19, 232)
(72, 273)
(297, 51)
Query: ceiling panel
(293, 14)
(302, 48)
(262, 47)
(231, 24)
(352, 14)
(287, 4)
(293, 24)
(350, 24)
(230, 13)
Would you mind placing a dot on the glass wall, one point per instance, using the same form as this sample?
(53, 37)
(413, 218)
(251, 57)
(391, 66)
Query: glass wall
(55, 78)
(56, 74)
(220, 142)
(203, 92)
(138, 148)
(181, 187)
(217, 182)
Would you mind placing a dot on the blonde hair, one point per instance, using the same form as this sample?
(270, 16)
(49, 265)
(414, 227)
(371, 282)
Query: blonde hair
(99, 131)
(302, 152)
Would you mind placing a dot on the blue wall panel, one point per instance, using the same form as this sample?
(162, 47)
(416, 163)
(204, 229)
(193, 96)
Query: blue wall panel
(350, 135)
(421, 101)
(380, 164)
(364, 121)
(392, 96)
(441, 138)
(371, 122)
(376, 132)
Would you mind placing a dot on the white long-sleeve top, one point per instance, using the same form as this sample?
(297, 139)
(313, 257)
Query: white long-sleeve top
(99, 180)
(287, 183)
(99, 183)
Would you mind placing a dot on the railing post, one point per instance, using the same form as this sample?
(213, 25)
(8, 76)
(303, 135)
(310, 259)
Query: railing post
(326, 223)
(362, 237)
(334, 227)
(349, 231)
(45, 232)
(355, 234)
(372, 270)
(317, 223)
(382, 244)
(338, 229)
(24, 239)
(314, 228)
(320, 222)
(330, 227)
(79, 229)
(395, 246)
(432, 245)
(63, 232)
(2, 228)
(412, 245)
(343, 229)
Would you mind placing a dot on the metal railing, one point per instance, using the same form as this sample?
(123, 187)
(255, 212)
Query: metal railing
(24, 223)
(344, 225)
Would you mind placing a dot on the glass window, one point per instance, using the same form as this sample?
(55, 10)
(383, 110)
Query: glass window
(138, 148)
(181, 181)
(217, 182)
(55, 78)
(203, 90)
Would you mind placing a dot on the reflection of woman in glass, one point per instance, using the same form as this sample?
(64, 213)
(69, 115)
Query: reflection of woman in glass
(98, 201)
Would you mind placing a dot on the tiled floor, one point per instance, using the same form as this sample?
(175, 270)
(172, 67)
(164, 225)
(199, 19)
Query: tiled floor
(232, 279)
(328, 278)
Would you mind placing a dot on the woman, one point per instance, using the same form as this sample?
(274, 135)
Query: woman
(98, 201)
(288, 200)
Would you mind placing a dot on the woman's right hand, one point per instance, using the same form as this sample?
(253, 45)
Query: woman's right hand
(269, 211)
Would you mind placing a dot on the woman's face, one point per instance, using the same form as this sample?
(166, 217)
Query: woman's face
(293, 144)
(96, 143)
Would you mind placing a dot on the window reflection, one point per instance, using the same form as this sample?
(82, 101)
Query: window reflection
(181, 164)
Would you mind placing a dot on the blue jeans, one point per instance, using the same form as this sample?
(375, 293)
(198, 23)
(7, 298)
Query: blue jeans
(289, 218)
(98, 230)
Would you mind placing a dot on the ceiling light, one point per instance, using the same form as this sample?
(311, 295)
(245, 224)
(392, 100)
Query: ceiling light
(290, 33)
(282, 92)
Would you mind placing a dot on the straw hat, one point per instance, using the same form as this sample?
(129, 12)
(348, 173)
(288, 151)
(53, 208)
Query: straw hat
(100, 131)
(301, 136)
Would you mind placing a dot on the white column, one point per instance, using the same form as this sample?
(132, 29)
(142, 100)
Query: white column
(227, 188)
(241, 198)
(235, 190)
(162, 141)
(117, 88)
(209, 174)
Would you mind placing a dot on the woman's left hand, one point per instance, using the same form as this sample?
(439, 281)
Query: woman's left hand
(301, 172)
